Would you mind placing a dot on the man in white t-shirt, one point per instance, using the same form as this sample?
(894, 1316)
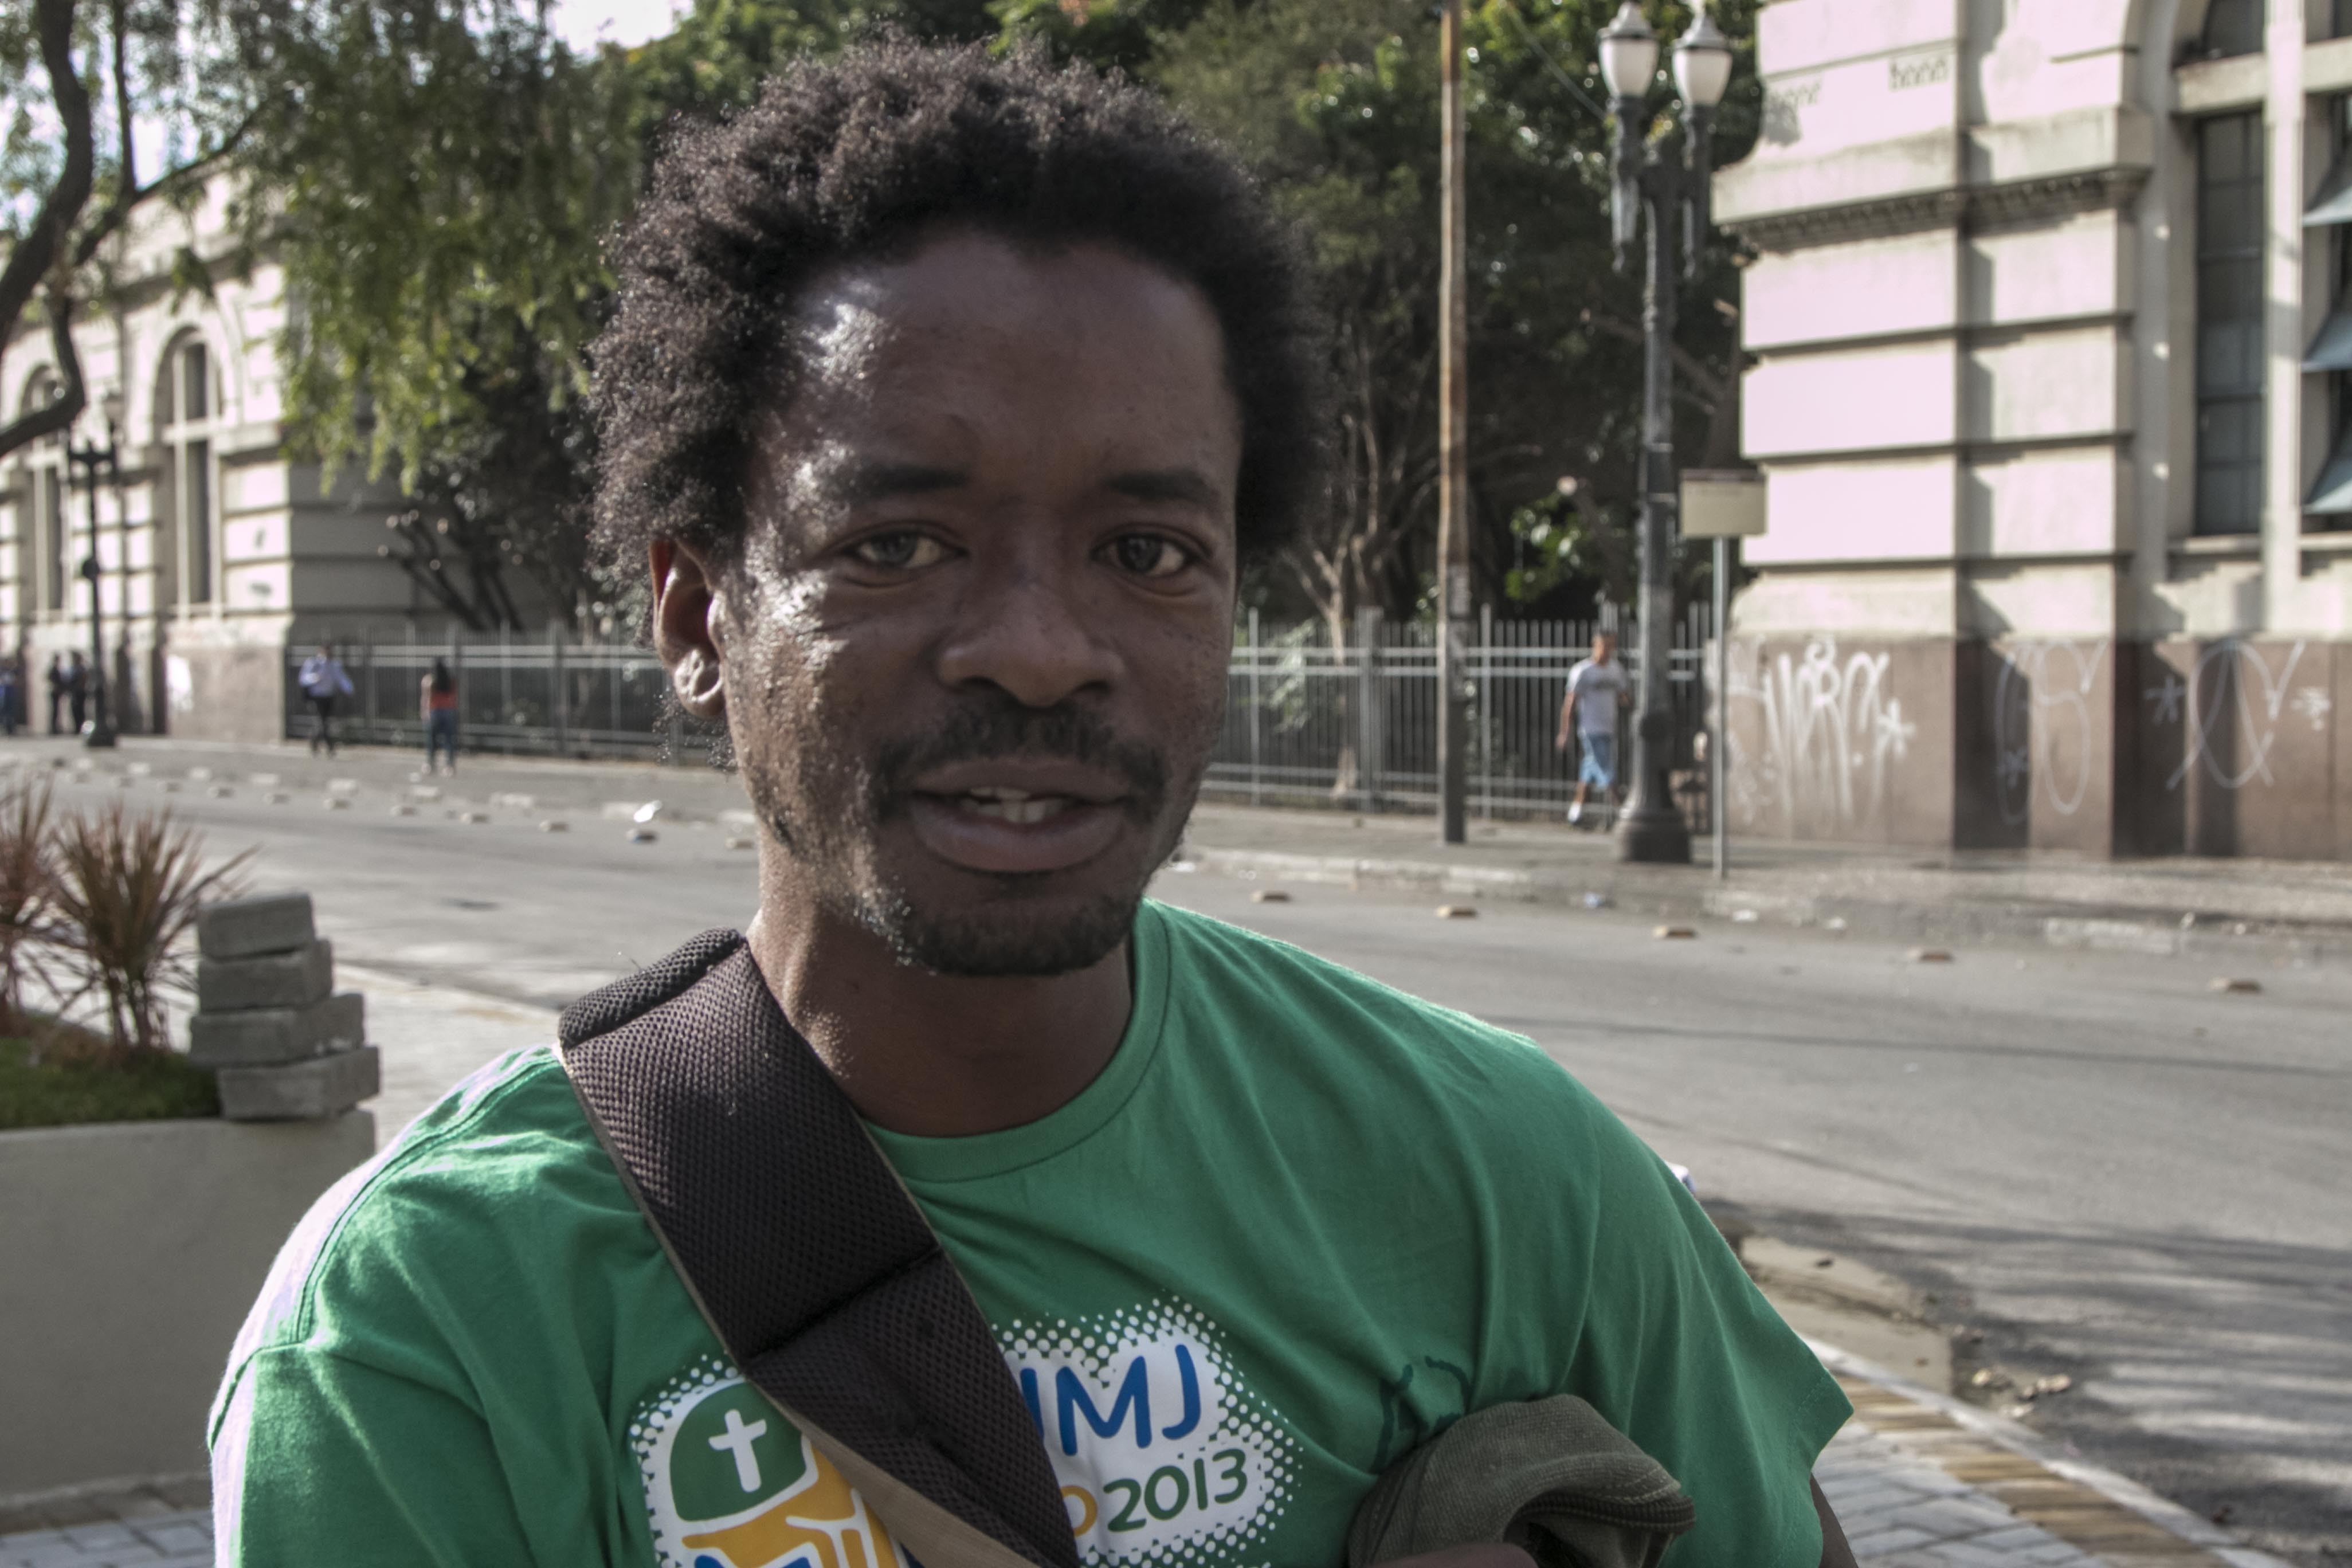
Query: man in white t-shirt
(1597, 689)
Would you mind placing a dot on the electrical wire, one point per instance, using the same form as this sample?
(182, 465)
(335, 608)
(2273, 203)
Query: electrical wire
(1575, 88)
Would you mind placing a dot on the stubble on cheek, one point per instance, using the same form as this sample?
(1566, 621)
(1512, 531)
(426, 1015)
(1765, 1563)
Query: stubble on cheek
(800, 778)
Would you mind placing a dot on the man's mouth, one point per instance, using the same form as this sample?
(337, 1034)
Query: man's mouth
(1004, 804)
(1019, 815)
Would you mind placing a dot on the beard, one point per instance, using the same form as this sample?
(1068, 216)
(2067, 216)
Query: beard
(829, 813)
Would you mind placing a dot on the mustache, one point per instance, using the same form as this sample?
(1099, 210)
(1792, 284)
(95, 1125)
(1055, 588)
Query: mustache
(986, 728)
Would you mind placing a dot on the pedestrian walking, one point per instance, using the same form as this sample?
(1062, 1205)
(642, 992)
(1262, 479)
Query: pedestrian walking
(1112, 1222)
(322, 681)
(12, 681)
(1597, 689)
(78, 678)
(58, 680)
(437, 697)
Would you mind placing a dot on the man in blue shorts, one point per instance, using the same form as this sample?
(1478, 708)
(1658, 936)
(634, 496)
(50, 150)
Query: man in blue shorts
(1597, 689)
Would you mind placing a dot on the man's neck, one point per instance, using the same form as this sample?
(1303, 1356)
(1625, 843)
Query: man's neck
(933, 1054)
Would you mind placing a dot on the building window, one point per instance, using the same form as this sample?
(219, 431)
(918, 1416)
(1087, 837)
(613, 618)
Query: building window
(2232, 27)
(187, 402)
(42, 525)
(53, 537)
(2328, 503)
(2230, 324)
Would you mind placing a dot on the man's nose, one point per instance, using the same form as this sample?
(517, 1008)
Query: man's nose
(1026, 628)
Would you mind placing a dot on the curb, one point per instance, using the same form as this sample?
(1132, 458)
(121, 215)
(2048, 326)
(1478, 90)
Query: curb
(2081, 927)
(2024, 1441)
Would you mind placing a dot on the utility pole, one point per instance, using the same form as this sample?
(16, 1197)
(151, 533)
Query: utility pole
(1452, 448)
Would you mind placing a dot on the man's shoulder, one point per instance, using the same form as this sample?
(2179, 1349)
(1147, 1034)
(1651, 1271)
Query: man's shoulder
(1384, 1032)
(468, 1191)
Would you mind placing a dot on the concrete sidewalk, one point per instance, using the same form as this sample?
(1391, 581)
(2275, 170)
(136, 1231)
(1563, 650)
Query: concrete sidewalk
(2256, 910)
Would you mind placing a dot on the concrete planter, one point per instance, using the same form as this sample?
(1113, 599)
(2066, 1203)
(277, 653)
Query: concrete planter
(129, 1253)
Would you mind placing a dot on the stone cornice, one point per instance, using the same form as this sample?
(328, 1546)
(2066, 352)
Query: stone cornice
(1983, 206)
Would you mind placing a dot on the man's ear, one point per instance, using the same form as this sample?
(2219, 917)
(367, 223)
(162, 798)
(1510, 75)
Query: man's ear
(683, 636)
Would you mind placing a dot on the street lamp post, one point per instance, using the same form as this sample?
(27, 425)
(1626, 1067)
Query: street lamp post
(1647, 177)
(98, 731)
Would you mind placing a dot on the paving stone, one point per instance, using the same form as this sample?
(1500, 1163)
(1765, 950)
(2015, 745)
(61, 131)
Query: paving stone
(177, 1536)
(242, 927)
(302, 1091)
(99, 1537)
(262, 1036)
(1968, 1554)
(1956, 1519)
(296, 979)
(188, 1494)
(36, 1549)
(1879, 1542)
(60, 1552)
(2021, 1536)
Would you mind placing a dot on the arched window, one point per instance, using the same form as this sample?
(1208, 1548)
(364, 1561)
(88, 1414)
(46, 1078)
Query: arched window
(2232, 27)
(187, 407)
(43, 520)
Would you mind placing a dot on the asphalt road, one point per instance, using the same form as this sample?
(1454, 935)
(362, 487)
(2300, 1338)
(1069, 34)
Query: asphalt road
(2102, 1165)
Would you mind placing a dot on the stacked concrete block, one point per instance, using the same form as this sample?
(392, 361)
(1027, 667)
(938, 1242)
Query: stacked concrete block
(286, 1044)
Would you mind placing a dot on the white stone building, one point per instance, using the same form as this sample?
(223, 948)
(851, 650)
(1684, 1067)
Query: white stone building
(214, 553)
(2052, 382)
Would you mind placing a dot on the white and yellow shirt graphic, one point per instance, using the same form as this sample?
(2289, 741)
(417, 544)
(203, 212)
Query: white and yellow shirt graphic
(1165, 1460)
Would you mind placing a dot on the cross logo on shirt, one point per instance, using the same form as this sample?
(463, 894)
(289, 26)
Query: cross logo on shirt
(737, 1441)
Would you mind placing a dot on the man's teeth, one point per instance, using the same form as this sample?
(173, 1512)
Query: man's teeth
(1016, 805)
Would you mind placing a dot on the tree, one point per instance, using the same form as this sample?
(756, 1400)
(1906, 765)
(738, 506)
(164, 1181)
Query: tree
(436, 178)
(159, 61)
(1335, 103)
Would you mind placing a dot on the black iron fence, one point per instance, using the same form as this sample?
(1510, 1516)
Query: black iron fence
(547, 695)
(1308, 721)
(1312, 722)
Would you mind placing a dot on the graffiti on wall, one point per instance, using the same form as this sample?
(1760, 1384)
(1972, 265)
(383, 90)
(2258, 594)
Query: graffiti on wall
(1820, 736)
(2231, 707)
(2044, 733)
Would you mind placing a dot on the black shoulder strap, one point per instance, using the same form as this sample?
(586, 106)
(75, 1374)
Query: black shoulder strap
(809, 1260)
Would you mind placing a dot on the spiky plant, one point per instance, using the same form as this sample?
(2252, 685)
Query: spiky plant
(29, 925)
(129, 885)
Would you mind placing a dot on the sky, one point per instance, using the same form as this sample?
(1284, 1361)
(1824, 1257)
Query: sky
(586, 23)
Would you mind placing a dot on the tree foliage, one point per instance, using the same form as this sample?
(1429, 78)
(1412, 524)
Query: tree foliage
(74, 77)
(1336, 103)
(436, 177)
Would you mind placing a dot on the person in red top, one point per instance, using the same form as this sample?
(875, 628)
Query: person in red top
(437, 698)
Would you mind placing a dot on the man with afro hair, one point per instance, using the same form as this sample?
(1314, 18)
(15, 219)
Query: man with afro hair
(945, 396)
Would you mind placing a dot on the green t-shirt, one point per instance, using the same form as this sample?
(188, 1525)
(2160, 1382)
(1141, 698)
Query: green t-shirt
(1297, 1226)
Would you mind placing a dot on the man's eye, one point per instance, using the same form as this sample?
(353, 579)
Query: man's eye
(1149, 555)
(906, 551)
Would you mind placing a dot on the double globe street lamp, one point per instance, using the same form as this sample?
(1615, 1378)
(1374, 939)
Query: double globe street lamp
(1673, 189)
(99, 730)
